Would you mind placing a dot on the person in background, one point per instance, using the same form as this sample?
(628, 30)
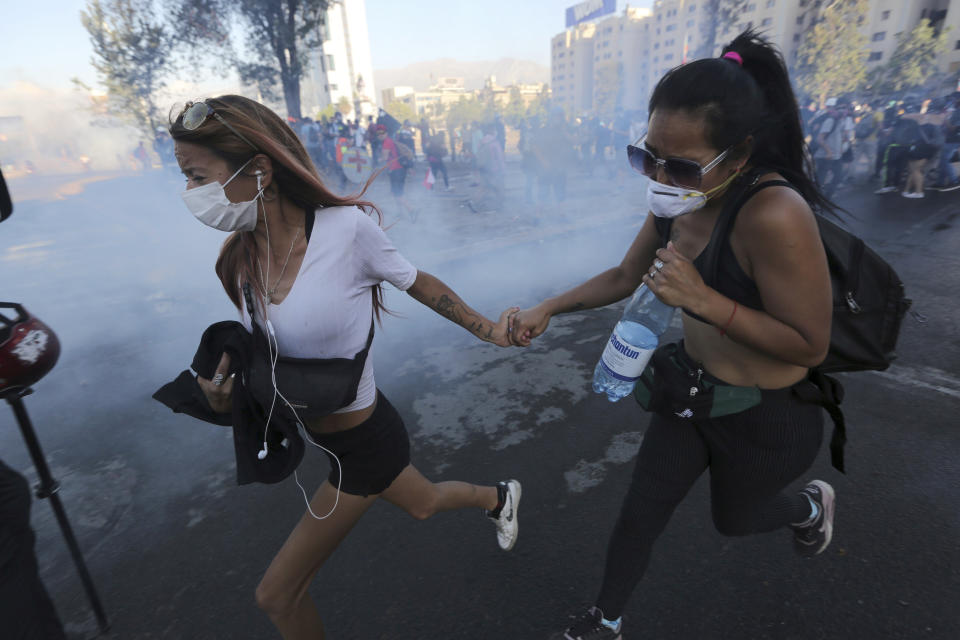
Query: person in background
(435, 152)
(528, 159)
(553, 147)
(390, 156)
(947, 175)
(834, 140)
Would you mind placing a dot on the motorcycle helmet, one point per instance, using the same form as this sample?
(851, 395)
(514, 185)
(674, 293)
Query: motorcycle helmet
(28, 348)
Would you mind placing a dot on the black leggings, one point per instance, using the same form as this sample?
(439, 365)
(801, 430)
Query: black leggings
(752, 457)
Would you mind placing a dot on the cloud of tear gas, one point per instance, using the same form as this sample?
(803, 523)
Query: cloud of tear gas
(54, 131)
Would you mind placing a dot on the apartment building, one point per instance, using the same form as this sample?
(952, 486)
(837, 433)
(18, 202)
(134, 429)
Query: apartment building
(599, 66)
(341, 67)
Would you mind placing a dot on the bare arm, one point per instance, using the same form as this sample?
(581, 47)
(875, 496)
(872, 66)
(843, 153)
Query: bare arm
(778, 235)
(605, 288)
(432, 292)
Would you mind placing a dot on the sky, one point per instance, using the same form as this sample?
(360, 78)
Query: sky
(50, 47)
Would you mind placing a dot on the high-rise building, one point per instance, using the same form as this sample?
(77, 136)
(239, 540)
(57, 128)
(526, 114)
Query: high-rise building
(605, 62)
(596, 67)
(341, 71)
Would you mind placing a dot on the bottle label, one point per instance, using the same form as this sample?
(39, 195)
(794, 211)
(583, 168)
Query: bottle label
(622, 360)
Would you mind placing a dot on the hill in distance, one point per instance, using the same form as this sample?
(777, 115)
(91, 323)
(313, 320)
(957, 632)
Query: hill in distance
(422, 75)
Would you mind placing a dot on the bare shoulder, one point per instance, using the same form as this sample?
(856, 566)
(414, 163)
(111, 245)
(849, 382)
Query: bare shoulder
(775, 213)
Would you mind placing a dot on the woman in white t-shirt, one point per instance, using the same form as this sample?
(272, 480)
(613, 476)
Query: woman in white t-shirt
(248, 173)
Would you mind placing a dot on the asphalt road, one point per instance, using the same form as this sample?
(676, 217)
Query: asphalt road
(124, 275)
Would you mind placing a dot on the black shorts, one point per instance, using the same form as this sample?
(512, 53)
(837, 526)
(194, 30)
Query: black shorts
(372, 454)
(397, 177)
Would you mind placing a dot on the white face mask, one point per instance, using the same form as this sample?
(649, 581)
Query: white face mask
(209, 205)
(668, 201)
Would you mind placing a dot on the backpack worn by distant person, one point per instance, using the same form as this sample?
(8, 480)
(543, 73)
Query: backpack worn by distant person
(869, 304)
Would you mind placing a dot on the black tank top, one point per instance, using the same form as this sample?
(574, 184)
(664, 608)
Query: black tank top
(731, 280)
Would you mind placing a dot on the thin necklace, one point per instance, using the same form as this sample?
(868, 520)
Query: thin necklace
(270, 292)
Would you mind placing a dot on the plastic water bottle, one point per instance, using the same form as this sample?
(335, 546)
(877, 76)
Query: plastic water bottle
(631, 344)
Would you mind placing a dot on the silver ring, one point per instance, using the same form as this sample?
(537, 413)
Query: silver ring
(652, 274)
(658, 264)
(218, 379)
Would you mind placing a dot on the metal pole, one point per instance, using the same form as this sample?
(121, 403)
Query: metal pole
(48, 488)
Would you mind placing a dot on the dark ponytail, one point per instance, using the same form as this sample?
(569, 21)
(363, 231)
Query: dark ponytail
(753, 98)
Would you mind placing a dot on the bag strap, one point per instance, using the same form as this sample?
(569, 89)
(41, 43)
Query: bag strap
(826, 391)
(728, 215)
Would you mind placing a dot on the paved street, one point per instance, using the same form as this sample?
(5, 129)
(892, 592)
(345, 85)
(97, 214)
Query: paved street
(125, 276)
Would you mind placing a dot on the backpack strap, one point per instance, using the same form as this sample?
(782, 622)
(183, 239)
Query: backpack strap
(826, 391)
(728, 215)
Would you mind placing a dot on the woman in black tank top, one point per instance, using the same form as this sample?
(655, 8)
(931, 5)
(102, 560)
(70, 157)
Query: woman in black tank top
(751, 277)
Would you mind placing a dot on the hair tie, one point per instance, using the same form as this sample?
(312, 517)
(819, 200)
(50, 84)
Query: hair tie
(733, 55)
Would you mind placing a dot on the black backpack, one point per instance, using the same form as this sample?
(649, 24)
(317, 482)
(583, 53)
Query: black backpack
(869, 304)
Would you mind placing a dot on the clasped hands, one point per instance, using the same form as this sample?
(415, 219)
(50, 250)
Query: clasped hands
(671, 276)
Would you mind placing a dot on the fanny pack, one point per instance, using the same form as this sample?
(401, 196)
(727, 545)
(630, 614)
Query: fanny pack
(674, 385)
(314, 387)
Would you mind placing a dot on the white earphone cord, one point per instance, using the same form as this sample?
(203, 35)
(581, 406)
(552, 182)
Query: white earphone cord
(273, 351)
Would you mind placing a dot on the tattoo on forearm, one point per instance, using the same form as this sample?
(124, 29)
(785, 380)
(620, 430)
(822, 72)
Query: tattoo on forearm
(453, 310)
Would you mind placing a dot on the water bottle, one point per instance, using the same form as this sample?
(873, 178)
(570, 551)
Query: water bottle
(631, 344)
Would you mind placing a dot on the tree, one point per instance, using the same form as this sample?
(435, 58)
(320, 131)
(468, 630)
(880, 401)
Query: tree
(401, 111)
(832, 57)
(130, 54)
(279, 33)
(344, 106)
(719, 17)
(515, 109)
(465, 111)
(915, 59)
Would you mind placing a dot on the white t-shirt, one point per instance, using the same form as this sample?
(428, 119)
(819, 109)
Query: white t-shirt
(328, 311)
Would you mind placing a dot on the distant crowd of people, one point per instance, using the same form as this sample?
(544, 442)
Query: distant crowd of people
(906, 146)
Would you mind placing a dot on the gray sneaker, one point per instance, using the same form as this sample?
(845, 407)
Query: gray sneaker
(812, 538)
(508, 528)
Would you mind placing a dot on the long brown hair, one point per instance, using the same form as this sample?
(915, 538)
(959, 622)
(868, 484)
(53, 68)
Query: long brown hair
(293, 171)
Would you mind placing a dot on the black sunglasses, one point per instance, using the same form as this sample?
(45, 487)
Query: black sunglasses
(198, 112)
(680, 171)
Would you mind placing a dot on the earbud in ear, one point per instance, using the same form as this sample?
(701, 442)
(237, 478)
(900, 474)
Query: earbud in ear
(258, 172)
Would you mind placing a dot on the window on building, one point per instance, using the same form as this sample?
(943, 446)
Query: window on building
(334, 87)
(879, 36)
(771, 3)
(656, 58)
(692, 8)
(330, 66)
(800, 20)
(885, 15)
(669, 56)
(750, 7)
(766, 22)
(656, 45)
(796, 37)
(671, 27)
(562, 53)
(690, 22)
(956, 47)
(875, 55)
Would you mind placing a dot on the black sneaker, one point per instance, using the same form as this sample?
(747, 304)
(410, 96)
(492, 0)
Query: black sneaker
(812, 538)
(589, 626)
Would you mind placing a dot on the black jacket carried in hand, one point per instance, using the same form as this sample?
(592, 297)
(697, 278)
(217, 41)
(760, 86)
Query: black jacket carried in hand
(247, 417)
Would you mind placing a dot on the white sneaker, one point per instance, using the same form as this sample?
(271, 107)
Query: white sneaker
(507, 525)
(887, 189)
(912, 194)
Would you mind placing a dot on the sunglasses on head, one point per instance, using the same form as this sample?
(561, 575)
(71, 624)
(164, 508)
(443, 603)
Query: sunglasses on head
(679, 171)
(198, 112)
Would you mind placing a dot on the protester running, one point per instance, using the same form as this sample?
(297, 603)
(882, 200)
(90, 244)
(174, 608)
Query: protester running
(313, 262)
(720, 127)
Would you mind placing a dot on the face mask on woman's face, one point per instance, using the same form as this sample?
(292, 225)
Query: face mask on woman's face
(209, 205)
(667, 201)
